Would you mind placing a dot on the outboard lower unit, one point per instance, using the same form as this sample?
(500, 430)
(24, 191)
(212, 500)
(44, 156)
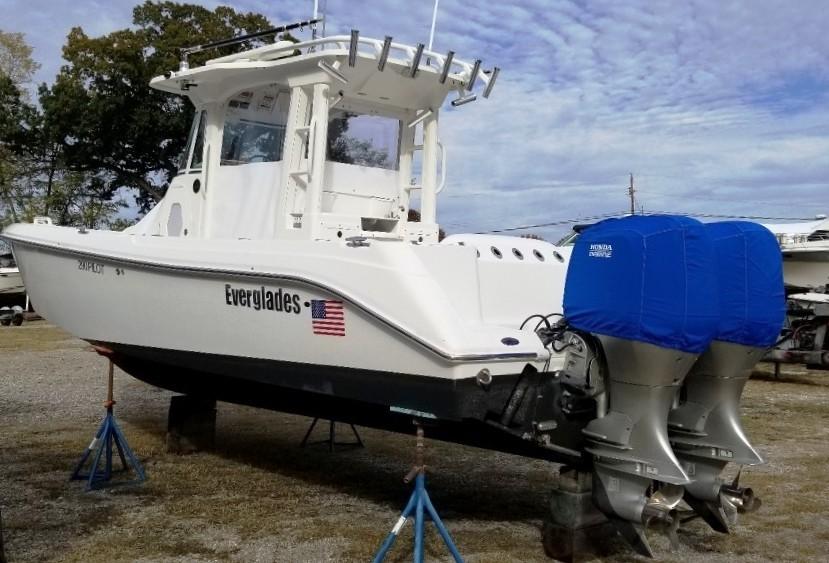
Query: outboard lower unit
(641, 292)
(704, 425)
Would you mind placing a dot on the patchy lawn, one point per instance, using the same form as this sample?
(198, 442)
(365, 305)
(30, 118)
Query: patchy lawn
(259, 497)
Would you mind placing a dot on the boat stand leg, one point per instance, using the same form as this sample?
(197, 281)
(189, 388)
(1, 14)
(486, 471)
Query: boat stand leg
(357, 436)
(418, 539)
(332, 437)
(308, 433)
(444, 533)
(108, 438)
(421, 505)
(2, 549)
(389, 541)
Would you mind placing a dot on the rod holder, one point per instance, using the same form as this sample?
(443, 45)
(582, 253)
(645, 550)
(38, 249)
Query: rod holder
(464, 100)
(352, 47)
(416, 60)
(384, 53)
(447, 64)
(492, 78)
(475, 69)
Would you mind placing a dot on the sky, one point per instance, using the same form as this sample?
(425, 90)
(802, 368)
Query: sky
(717, 107)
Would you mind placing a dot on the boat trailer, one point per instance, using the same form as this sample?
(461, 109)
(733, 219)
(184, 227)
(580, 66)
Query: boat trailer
(804, 336)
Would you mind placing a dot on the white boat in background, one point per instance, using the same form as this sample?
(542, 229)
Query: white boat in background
(11, 283)
(805, 248)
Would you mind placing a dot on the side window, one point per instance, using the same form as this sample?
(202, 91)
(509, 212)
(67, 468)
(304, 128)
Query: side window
(198, 145)
(196, 138)
(254, 128)
(363, 140)
(182, 160)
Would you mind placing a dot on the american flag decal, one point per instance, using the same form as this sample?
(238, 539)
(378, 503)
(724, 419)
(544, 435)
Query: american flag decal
(328, 317)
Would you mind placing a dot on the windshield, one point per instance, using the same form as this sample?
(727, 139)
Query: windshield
(568, 240)
(254, 128)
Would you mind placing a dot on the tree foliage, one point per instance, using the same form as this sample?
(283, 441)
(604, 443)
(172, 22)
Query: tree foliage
(16, 119)
(109, 122)
(16, 61)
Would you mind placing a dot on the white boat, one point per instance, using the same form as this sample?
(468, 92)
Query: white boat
(805, 248)
(11, 283)
(282, 270)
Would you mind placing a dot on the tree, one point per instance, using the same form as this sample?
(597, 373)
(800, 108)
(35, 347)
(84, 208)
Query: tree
(16, 60)
(16, 70)
(33, 176)
(109, 121)
(15, 121)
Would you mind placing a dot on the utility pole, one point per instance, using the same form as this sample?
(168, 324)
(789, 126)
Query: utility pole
(631, 195)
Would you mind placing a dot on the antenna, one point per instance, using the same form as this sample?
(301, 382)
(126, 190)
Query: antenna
(316, 15)
(631, 195)
(434, 20)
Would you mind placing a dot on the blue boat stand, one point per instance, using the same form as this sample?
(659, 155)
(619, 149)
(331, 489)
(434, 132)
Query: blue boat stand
(418, 503)
(108, 438)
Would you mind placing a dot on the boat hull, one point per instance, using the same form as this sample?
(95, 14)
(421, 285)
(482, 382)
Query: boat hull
(459, 409)
(806, 269)
(250, 337)
(11, 282)
(251, 314)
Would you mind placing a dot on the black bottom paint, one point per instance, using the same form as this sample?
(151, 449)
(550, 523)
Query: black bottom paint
(461, 408)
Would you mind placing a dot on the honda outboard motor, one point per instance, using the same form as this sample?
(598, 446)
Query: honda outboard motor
(704, 427)
(643, 291)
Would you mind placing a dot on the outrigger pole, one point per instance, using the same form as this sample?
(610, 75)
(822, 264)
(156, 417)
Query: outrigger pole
(187, 51)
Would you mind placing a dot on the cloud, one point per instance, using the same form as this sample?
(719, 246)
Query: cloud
(714, 106)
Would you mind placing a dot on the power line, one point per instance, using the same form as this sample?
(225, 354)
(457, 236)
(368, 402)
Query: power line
(552, 223)
(622, 213)
(720, 216)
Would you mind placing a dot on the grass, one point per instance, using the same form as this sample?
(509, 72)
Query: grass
(36, 336)
(258, 497)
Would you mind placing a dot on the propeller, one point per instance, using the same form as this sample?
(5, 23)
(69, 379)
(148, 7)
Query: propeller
(660, 509)
(742, 499)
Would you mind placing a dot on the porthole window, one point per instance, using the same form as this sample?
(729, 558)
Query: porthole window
(558, 256)
(496, 252)
(461, 243)
(517, 254)
(538, 255)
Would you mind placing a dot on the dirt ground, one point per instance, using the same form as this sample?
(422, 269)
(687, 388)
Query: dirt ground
(259, 497)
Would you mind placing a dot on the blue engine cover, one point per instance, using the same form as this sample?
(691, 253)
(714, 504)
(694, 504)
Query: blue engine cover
(752, 298)
(649, 278)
